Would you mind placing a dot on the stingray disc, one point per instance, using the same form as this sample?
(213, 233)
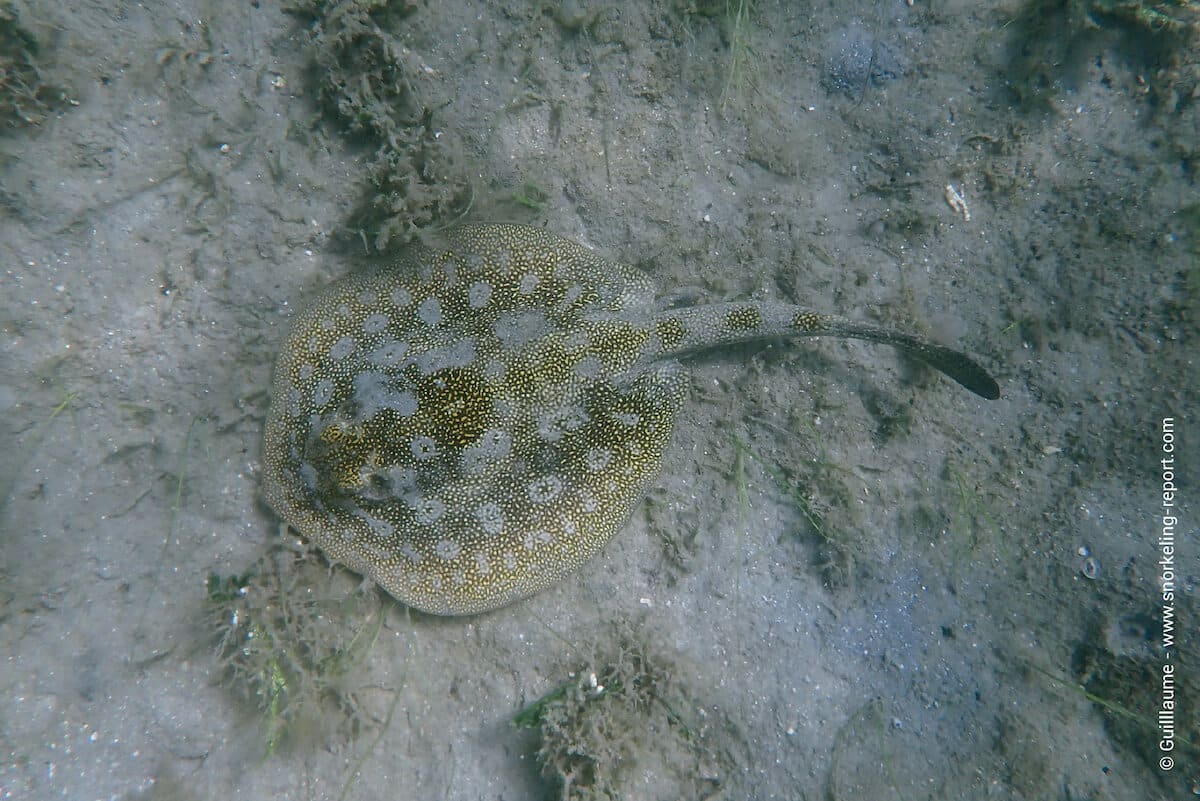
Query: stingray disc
(461, 427)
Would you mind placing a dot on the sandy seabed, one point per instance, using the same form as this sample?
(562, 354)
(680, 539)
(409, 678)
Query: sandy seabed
(853, 580)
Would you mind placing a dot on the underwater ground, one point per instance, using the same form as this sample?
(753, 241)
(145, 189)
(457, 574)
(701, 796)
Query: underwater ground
(853, 580)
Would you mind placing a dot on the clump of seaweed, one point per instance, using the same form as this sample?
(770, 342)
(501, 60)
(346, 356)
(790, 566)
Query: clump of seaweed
(367, 80)
(288, 644)
(416, 188)
(630, 718)
(1054, 42)
(816, 485)
(25, 97)
(740, 79)
(1119, 667)
(1169, 16)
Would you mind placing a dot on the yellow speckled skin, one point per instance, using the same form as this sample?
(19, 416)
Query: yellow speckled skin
(477, 462)
(469, 426)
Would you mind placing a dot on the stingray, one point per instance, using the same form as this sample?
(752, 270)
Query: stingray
(469, 426)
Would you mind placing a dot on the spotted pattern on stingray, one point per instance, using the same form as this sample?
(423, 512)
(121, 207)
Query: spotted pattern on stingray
(470, 425)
